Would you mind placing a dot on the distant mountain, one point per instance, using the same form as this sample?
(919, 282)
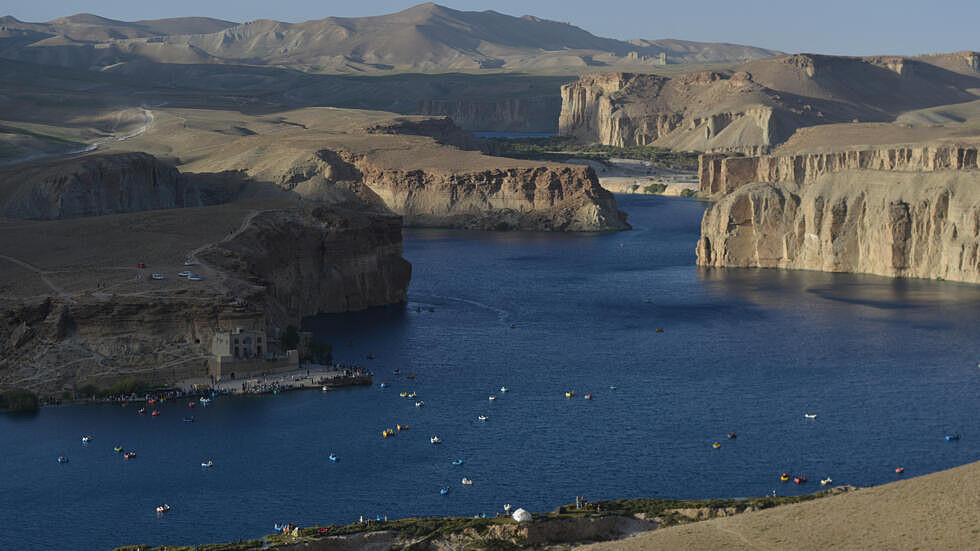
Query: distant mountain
(427, 37)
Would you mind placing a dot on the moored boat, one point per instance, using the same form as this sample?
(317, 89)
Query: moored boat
(826, 481)
(810, 415)
(732, 435)
(899, 470)
(457, 461)
(444, 490)
(419, 404)
(163, 508)
(141, 411)
(467, 481)
(86, 439)
(191, 404)
(569, 394)
(401, 427)
(118, 449)
(588, 396)
(784, 477)
(155, 413)
(435, 440)
(504, 389)
(716, 445)
(332, 457)
(207, 464)
(492, 397)
(62, 459)
(483, 418)
(951, 437)
(205, 401)
(129, 455)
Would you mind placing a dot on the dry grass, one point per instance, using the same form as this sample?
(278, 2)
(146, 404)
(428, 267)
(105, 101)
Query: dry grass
(936, 511)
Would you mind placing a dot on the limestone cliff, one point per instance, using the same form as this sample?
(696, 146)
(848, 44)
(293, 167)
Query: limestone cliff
(924, 225)
(536, 114)
(523, 197)
(94, 185)
(324, 261)
(696, 111)
(756, 106)
(725, 173)
(284, 262)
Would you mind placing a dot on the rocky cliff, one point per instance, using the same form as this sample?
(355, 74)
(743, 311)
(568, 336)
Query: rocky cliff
(719, 173)
(284, 262)
(113, 183)
(537, 114)
(695, 111)
(525, 196)
(755, 106)
(896, 224)
(326, 260)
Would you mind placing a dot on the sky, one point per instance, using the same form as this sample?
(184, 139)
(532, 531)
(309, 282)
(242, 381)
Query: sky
(841, 27)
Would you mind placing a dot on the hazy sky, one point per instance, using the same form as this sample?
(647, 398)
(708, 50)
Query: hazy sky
(850, 27)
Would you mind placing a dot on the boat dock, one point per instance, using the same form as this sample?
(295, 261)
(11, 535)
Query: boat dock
(307, 377)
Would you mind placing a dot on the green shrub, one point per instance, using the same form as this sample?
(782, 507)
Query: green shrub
(655, 188)
(290, 339)
(19, 401)
(689, 193)
(133, 385)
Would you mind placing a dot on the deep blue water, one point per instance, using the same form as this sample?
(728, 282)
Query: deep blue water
(888, 366)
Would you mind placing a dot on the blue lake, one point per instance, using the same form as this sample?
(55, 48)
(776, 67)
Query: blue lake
(889, 367)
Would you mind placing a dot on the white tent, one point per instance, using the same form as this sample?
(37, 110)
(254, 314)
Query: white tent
(521, 515)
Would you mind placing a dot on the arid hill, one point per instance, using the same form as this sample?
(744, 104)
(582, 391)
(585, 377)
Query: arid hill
(932, 512)
(427, 37)
(758, 105)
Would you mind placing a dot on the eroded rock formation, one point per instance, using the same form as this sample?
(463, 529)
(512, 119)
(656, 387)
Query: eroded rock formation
(896, 224)
(557, 197)
(721, 173)
(537, 114)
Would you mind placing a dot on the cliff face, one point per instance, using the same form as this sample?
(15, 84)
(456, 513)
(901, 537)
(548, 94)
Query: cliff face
(281, 265)
(326, 261)
(692, 111)
(549, 198)
(724, 174)
(756, 106)
(924, 225)
(509, 115)
(95, 185)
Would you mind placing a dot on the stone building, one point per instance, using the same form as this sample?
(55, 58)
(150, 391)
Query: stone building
(244, 353)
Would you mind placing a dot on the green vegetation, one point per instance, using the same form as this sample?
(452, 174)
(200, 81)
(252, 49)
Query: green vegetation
(320, 352)
(237, 546)
(19, 401)
(424, 530)
(133, 385)
(655, 188)
(562, 148)
(290, 340)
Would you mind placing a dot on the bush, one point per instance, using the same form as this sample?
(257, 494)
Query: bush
(320, 351)
(655, 188)
(88, 391)
(689, 193)
(19, 401)
(132, 385)
(290, 340)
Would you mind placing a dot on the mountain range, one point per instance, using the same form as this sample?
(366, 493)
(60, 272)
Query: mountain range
(423, 38)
